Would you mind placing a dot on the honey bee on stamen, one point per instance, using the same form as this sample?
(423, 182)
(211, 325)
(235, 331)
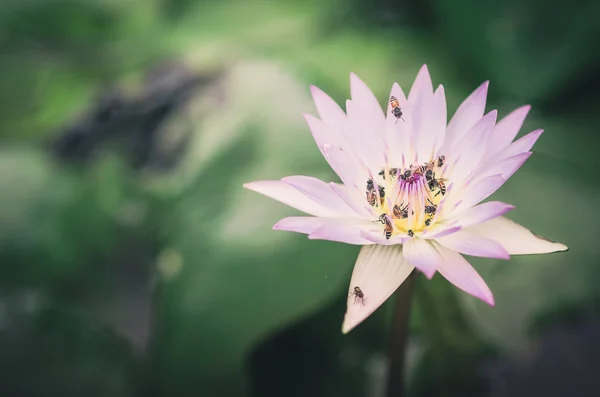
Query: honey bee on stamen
(371, 196)
(381, 195)
(396, 110)
(383, 218)
(442, 187)
(411, 233)
(400, 212)
(434, 183)
(358, 294)
(430, 209)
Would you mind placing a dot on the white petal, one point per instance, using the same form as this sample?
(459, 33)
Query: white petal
(468, 113)
(470, 244)
(507, 129)
(516, 239)
(285, 193)
(422, 255)
(459, 272)
(378, 272)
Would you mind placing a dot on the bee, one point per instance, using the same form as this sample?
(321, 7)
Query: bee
(427, 221)
(358, 294)
(406, 175)
(411, 233)
(381, 194)
(440, 161)
(400, 212)
(396, 110)
(442, 187)
(429, 175)
(430, 209)
(383, 218)
(424, 169)
(434, 183)
(371, 196)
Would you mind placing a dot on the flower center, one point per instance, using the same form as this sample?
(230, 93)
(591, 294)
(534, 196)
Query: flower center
(408, 200)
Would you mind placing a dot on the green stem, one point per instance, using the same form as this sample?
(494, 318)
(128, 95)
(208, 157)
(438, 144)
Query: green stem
(399, 335)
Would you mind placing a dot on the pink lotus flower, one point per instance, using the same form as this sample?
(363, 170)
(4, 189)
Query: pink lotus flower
(411, 188)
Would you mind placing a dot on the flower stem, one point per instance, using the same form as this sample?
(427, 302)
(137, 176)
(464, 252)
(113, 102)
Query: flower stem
(398, 338)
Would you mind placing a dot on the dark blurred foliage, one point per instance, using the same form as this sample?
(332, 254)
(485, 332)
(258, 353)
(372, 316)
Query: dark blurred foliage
(133, 264)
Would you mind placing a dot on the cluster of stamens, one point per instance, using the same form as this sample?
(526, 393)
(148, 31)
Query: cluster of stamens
(407, 199)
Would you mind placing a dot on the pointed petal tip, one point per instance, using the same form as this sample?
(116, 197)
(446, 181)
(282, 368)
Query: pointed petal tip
(346, 327)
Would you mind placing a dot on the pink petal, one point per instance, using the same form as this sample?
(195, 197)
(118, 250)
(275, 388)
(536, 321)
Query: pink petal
(347, 168)
(506, 167)
(378, 272)
(334, 229)
(422, 255)
(420, 97)
(329, 111)
(433, 129)
(516, 239)
(347, 231)
(281, 191)
(507, 129)
(473, 146)
(326, 137)
(459, 272)
(324, 133)
(358, 205)
(321, 193)
(469, 244)
(480, 213)
(478, 192)
(365, 136)
(300, 224)
(362, 95)
(468, 113)
(519, 146)
(398, 132)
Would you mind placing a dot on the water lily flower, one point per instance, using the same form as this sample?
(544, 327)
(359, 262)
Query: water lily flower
(411, 188)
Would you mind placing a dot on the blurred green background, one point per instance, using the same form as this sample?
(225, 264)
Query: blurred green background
(134, 264)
